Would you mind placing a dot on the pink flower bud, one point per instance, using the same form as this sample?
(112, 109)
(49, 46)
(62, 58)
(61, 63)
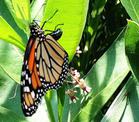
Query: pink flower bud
(72, 96)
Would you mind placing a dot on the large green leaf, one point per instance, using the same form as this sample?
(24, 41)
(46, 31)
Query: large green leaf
(20, 10)
(71, 13)
(132, 46)
(132, 8)
(104, 78)
(8, 34)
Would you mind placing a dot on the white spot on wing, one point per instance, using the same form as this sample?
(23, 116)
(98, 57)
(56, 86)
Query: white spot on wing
(33, 94)
(26, 76)
(25, 106)
(26, 62)
(26, 89)
(37, 65)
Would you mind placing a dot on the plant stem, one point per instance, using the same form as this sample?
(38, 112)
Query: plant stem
(50, 110)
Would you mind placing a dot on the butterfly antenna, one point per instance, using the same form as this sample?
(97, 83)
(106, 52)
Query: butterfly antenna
(49, 19)
(58, 25)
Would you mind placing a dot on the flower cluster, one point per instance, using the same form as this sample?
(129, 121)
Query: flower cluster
(78, 83)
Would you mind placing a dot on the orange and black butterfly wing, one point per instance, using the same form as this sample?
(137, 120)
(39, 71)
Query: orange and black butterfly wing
(31, 87)
(51, 62)
(45, 67)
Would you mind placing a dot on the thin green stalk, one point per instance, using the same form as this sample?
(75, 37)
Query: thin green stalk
(50, 110)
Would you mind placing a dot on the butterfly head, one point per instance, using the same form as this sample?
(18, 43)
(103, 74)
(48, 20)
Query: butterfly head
(35, 29)
(56, 34)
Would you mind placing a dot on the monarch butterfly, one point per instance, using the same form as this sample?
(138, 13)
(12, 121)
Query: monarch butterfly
(45, 66)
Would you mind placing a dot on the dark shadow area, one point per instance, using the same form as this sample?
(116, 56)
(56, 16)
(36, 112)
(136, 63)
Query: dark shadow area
(115, 94)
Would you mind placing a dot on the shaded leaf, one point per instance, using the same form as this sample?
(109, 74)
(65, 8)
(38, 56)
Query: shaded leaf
(7, 115)
(125, 106)
(117, 109)
(132, 46)
(132, 110)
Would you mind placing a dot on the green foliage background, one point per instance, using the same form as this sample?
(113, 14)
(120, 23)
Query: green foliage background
(107, 32)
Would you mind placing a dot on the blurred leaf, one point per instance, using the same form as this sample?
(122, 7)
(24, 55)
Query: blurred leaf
(9, 93)
(8, 34)
(71, 13)
(132, 8)
(7, 115)
(11, 60)
(104, 78)
(20, 9)
(132, 46)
